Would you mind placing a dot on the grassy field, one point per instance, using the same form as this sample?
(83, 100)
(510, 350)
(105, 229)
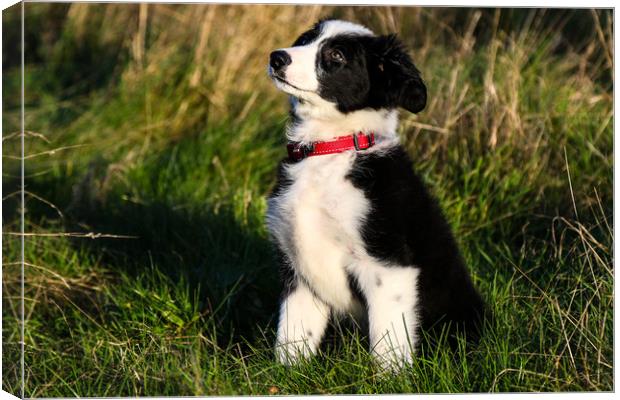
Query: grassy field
(152, 138)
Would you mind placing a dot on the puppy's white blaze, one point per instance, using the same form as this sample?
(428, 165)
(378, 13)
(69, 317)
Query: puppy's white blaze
(335, 27)
(303, 319)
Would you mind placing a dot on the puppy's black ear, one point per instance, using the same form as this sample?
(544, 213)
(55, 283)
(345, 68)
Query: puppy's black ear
(393, 69)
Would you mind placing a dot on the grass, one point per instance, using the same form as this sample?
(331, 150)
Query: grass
(155, 129)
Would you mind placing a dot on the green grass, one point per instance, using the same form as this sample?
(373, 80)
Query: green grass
(187, 304)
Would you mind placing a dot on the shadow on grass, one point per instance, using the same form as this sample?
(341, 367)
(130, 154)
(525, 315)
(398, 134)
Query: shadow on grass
(227, 268)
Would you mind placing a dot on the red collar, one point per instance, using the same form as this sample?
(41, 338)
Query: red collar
(298, 151)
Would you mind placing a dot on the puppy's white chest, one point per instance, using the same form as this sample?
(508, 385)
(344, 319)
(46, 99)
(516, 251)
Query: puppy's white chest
(317, 220)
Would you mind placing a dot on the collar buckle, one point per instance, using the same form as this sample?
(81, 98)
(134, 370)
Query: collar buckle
(298, 151)
(356, 142)
(370, 141)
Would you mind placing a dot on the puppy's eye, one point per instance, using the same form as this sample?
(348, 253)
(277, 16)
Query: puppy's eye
(336, 55)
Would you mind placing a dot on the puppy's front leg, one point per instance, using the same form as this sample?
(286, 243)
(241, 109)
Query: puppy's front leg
(392, 300)
(303, 320)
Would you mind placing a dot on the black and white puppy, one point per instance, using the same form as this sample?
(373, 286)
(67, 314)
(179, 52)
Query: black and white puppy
(358, 233)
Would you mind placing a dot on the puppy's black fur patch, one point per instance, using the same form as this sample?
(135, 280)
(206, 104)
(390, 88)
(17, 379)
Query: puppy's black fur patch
(309, 35)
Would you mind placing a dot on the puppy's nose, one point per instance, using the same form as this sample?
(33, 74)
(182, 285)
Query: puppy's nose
(279, 59)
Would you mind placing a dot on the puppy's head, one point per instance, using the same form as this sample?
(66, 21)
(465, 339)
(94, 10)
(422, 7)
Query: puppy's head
(345, 66)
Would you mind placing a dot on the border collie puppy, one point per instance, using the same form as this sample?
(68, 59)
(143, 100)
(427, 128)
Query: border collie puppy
(356, 230)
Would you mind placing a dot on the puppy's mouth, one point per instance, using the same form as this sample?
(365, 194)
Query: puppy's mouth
(283, 81)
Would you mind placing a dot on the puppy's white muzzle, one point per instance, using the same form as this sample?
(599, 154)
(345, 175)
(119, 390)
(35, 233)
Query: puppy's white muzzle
(295, 68)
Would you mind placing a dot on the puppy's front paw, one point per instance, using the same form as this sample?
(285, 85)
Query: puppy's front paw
(291, 352)
(303, 319)
(392, 358)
